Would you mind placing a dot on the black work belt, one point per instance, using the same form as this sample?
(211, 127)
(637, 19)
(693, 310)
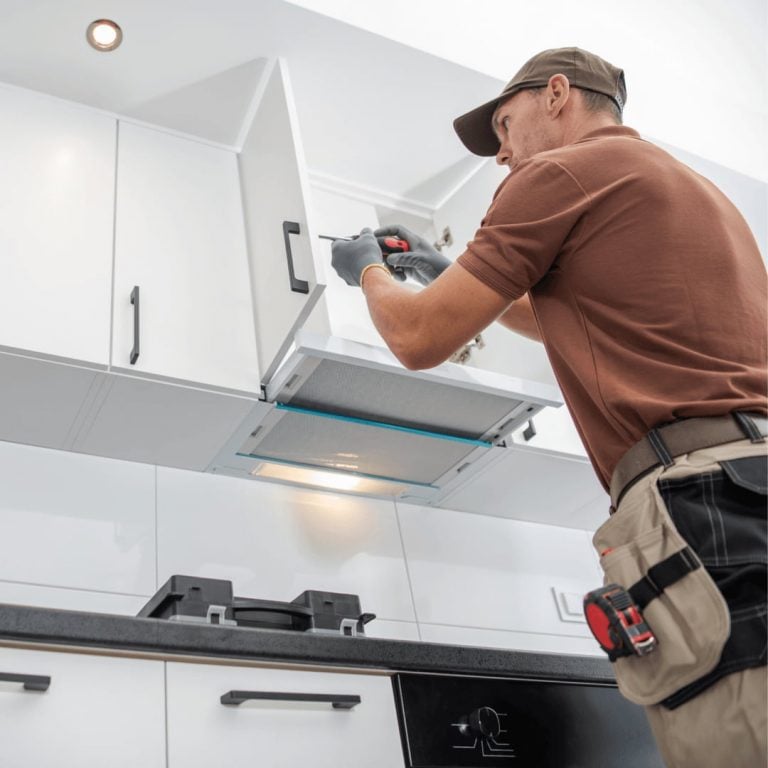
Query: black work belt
(663, 444)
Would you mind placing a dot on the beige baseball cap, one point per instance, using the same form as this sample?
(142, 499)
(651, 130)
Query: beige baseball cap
(583, 70)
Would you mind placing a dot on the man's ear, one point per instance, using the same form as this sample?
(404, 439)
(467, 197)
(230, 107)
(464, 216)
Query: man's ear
(558, 93)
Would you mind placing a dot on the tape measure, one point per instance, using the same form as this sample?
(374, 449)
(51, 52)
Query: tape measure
(617, 622)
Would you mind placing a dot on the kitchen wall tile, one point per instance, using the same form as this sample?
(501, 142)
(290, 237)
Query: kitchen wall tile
(70, 599)
(393, 630)
(516, 641)
(76, 521)
(274, 541)
(492, 573)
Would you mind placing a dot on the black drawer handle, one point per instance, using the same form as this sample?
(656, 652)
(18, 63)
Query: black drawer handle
(135, 302)
(337, 701)
(30, 682)
(292, 228)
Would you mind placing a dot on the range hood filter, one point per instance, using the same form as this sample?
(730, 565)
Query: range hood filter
(357, 446)
(348, 389)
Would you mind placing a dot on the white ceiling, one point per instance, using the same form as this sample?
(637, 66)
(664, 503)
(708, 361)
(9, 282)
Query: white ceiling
(697, 70)
(374, 111)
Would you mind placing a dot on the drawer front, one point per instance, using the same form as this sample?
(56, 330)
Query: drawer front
(280, 733)
(96, 711)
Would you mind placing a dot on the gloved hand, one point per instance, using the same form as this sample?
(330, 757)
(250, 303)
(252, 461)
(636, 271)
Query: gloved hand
(350, 257)
(422, 262)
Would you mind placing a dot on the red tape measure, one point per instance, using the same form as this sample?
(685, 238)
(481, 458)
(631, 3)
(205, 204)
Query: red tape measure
(617, 623)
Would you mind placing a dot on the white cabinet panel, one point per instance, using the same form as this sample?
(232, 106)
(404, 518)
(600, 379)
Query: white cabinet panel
(180, 237)
(342, 308)
(204, 732)
(57, 165)
(160, 423)
(537, 485)
(274, 541)
(486, 572)
(275, 190)
(97, 711)
(41, 402)
(76, 521)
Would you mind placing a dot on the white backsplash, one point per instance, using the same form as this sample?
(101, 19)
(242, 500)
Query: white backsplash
(85, 533)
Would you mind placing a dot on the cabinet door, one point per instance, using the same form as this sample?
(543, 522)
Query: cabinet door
(286, 733)
(343, 307)
(97, 711)
(275, 193)
(56, 209)
(180, 238)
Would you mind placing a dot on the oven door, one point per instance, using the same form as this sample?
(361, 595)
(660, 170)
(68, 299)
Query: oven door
(470, 721)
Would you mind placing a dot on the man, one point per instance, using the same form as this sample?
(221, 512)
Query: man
(648, 291)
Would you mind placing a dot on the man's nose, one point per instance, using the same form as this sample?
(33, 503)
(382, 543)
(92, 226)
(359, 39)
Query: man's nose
(502, 156)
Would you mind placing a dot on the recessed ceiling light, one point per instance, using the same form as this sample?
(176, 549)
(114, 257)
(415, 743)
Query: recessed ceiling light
(104, 35)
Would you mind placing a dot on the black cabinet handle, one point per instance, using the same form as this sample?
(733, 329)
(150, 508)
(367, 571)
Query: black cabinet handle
(292, 228)
(30, 682)
(337, 701)
(135, 302)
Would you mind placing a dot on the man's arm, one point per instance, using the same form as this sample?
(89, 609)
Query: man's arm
(424, 264)
(425, 328)
(520, 318)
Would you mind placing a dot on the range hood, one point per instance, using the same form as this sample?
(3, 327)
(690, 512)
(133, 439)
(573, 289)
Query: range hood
(345, 415)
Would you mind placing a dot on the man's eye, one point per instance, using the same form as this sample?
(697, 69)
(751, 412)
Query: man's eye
(505, 124)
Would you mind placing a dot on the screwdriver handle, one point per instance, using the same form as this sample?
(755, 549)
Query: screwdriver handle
(394, 245)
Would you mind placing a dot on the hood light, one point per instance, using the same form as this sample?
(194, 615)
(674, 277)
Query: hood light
(334, 481)
(104, 35)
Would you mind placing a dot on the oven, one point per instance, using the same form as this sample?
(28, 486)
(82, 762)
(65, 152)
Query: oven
(521, 723)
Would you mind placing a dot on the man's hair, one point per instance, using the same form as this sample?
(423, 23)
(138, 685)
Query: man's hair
(593, 102)
(599, 102)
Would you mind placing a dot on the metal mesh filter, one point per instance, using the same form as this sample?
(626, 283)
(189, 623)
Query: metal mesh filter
(350, 390)
(350, 446)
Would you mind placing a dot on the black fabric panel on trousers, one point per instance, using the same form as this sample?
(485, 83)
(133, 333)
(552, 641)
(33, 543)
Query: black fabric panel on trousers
(724, 518)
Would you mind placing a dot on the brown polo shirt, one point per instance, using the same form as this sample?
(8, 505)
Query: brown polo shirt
(646, 282)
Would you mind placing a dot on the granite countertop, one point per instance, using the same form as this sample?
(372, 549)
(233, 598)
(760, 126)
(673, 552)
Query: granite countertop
(126, 634)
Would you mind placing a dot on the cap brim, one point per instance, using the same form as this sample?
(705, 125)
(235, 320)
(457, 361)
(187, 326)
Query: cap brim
(475, 129)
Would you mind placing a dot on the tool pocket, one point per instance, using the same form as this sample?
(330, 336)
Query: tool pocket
(724, 518)
(689, 618)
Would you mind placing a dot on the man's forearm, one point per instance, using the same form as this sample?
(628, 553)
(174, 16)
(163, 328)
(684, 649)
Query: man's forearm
(396, 315)
(424, 328)
(520, 319)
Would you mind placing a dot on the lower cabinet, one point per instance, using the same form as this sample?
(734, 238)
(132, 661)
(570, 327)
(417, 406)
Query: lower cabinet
(79, 710)
(69, 710)
(286, 718)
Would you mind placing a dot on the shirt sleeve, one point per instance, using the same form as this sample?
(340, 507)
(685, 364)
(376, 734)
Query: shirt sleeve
(524, 230)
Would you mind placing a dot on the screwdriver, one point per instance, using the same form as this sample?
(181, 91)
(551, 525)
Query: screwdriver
(388, 245)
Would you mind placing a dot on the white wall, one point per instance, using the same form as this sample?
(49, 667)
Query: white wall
(84, 533)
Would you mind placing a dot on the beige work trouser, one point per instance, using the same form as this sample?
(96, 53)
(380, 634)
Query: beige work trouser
(726, 726)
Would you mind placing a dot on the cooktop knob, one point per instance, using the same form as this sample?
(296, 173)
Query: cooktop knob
(484, 722)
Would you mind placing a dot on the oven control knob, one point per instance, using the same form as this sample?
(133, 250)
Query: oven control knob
(484, 722)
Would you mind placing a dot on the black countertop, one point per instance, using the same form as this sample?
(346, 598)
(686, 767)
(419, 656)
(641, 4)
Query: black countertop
(46, 626)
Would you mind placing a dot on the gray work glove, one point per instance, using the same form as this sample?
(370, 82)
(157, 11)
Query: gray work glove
(350, 257)
(421, 263)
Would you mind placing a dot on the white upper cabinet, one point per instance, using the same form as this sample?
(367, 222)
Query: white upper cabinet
(275, 192)
(342, 308)
(180, 240)
(57, 165)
